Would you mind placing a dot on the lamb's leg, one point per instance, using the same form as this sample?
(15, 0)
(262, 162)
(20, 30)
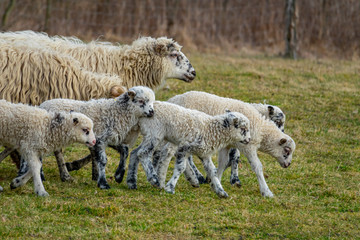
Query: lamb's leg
(76, 165)
(64, 174)
(6, 153)
(24, 174)
(132, 169)
(198, 174)
(256, 166)
(234, 158)
(98, 151)
(143, 154)
(24, 167)
(223, 162)
(35, 166)
(214, 181)
(120, 171)
(190, 174)
(167, 152)
(180, 166)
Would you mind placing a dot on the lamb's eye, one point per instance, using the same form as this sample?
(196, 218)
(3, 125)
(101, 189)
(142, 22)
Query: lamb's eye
(86, 131)
(173, 55)
(141, 101)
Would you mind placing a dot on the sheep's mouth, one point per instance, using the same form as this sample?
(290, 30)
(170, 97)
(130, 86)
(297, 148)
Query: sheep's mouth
(89, 144)
(245, 141)
(188, 77)
(285, 165)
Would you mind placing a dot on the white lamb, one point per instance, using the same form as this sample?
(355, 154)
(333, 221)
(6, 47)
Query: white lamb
(265, 136)
(146, 62)
(35, 132)
(193, 132)
(113, 119)
(270, 112)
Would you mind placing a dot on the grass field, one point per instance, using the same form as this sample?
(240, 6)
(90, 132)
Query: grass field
(317, 197)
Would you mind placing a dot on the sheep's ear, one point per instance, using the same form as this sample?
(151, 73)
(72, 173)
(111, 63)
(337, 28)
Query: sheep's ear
(271, 110)
(227, 111)
(282, 141)
(117, 91)
(131, 94)
(160, 48)
(236, 122)
(76, 121)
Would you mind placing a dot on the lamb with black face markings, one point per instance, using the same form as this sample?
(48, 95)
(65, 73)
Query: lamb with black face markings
(113, 120)
(265, 135)
(193, 132)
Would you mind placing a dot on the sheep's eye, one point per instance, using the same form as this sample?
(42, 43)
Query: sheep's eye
(287, 150)
(141, 101)
(86, 131)
(173, 55)
(243, 130)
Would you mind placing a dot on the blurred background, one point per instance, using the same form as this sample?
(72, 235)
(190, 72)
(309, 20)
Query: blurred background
(321, 28)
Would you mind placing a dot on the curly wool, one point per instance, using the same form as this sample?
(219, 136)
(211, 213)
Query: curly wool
(31, 75)
(34, 129)
(141, 63)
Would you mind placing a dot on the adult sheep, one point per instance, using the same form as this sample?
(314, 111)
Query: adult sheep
(31, 75)
(147, 61)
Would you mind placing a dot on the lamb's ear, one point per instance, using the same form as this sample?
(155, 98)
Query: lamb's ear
(236, 122)
(282, 141)
(131, 94)
(76, 121)
(271, 110)
(227, 111)
(117, 91)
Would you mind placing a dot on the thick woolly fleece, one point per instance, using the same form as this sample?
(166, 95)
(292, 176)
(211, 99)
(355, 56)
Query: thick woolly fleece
(193, 132)
(146, 62)
(113, 119)
(270, 112)
(32, 75)
(265, 135)
(35, 132)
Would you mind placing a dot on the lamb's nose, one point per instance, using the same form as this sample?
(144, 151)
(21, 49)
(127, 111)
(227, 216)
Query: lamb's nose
(193, 73)
(94, 142)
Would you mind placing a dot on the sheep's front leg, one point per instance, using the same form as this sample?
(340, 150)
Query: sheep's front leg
(98, 151)
(34, 164)
(211, 173)
(167, 152)
(229, 157)
(256, 166)
(180, 166)
(190, 174)
(198, 174)
(24, 174)
(143, 154)
(120, 171)
(76, 165)
(64, 174)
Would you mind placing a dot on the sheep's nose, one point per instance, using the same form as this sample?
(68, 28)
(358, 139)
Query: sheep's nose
(193, 73)
(151, 113)
(94, 142)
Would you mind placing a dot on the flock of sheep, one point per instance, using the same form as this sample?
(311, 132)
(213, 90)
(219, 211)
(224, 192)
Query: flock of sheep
(60, 90)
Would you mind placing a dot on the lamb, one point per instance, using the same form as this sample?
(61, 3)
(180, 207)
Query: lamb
(35, 132)
(270, 112)
(113, 119)
(193, 132)
(265, 136)
(147, 61)
(32, 76)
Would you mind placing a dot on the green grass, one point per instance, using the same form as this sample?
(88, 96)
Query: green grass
(317, 197)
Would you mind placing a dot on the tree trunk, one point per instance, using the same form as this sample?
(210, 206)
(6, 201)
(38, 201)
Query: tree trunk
(290, 29)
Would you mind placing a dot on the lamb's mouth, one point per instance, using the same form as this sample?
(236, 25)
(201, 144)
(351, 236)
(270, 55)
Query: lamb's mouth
(89, 144)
